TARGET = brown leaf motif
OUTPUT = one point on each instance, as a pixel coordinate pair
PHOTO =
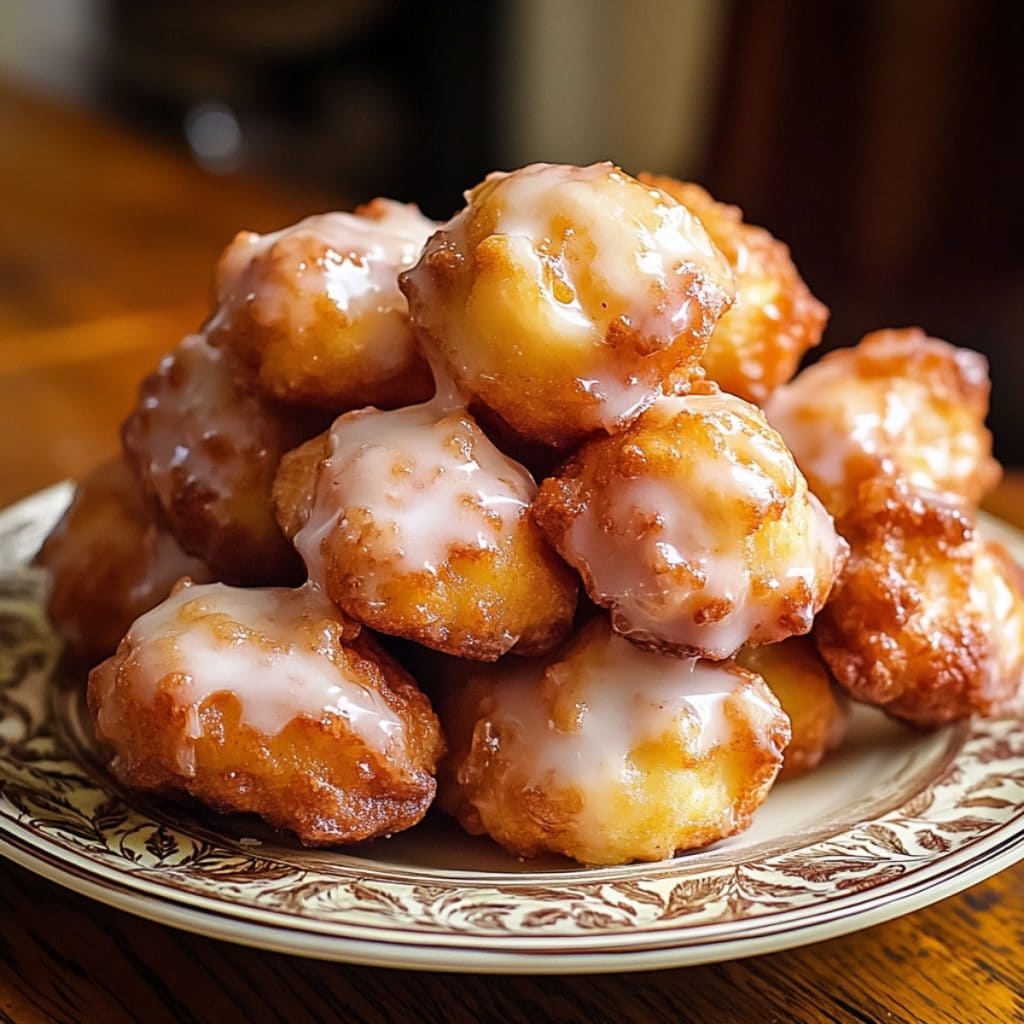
(544, 917)
(55, 797)
(984, 801)
(161, 844)
(931, 840)
(969, 823)
(635, 892)
(859, 883)
(917, 805)
(694, 895)
(887, 838)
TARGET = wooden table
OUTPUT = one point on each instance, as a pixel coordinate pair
(105, 248)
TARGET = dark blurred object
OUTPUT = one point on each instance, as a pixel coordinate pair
(358, 96)
(884, 141)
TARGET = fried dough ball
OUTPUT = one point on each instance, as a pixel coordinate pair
(818, 712)
(260, 701)
(695, 528)
(925, 620)
(418, 527)
(607, 753)
(899, 403)
(315, 311)
(110, 558)
(997, 590)
(208, 450)
(758, 343)
(295, 482)
(562, 297)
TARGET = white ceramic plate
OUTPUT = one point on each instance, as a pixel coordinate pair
(896, 820)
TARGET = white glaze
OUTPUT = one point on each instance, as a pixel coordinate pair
(895, 422)
(351, 259)
(626, 258)
(409, 486)
(187, 411)
(658, 549)
(624, 699)
(847, 416)
(637, 246)
(271, 648)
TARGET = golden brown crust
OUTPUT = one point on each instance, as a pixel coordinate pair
(329, 356)
(477, 604)
(110, 559)
(760, 340)
(959, 375)
(669, 483)
(509, 592)
(902, 628)
(217, 498)
(818, 711)
(997, 590)
(492, 300)
(540, 459)
(676, 794)
(295, 482)
(899, 403)
(316, 778)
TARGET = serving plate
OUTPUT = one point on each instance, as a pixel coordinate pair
(896, 820)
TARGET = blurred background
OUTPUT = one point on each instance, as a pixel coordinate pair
(883, 140)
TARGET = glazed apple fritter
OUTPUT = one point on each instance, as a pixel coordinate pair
(926, 620)
(110, 558)
(898, 404)
(818, 711)
(607, 753)
(417, 526)
(265, 701)
(563, 297)
(315, 312)
(695, 528)
(207, 448)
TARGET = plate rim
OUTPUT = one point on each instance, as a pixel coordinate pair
(934, 880)
(446, 959)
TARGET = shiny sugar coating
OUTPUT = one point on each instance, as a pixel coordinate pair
(898, 404)
(207, 448)
(262, 701)
(695, 528)
(607, 753)
(760, 340)
(315, 312)
(417, 526)
(563, 297)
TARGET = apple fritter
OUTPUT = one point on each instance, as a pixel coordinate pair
(417, 526)
(265, 701)
(607, 753)
(926, 620)
(110, 558)
(207, 448)
(563, 297)
(898, 404)
(315, 312)
(695, 528)
(818, 710)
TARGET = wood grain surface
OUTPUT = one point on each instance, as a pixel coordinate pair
(105, 247)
